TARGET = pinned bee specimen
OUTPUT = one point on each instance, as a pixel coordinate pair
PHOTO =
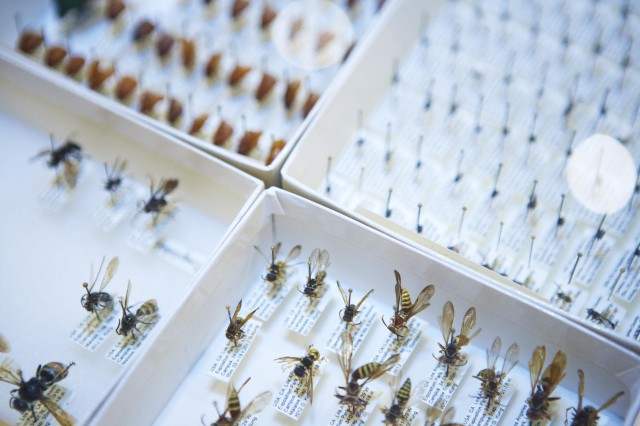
(157, 204)
(233, 415)
(148, 101)
(276, 147)
(30, 41)
(356, 379)
(277, 270)
(164, 44)
(492, 379)
(312, 98)
(405, 309)
(66, 156)
(318, 263)
(601, 318)
(588, 416)
(450, 351)
(33, 390)
(304, 367)
(237, 75)
(350, 310)
(222, 133)
(125, 87)
(543, 384)
(234, 329)
(394, 415)
(97, 75)
(291, 94)
(97, 301)
(54, 55)
(267, 16)
(114, 179)
(248, 142)
(265, 88)
(4, 344)
(146, 314)
(143, 30)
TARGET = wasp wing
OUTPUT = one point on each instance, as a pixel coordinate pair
(422, 301)
(345, 298)
(112, 267)
(323, 261)
(255, 406)
(344, 358)
(535, 366)
(468, 323)
(10, 372)
(554, 373)
(287, 361)
(446, 321)
(295, 252)
(611, 401)
(363, 299)
(313, 260)
(494, 353)
(126, 297)
(61, 416)
(247, 318)
(511, 358)
(398, 290)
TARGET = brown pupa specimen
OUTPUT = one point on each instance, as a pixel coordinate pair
(238, 7)
(267, 17)
(309, 103)
(74, 65)
(114, 9)
(96, 76)
(148, 101)
(248, 142)
(212, 68)
(291, 93)
(164, 44)
(265, 87)
(143, 30)
(238, 74)
(197, 124)
(174, 112)
(188, 53)
(29, 41)
(125, 87)
(275, 149)
(54, 55)
(223, 133)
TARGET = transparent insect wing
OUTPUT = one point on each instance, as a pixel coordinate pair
(314, 259)
(126, 297)
(345, 354)
(324, 261)
(262, 253)
(494, 353)
(10, 372)
(70, 172)
(112, 267)
(120, 167)
(511, 358)
(257, 405)
(363, 299)
(535, 366)
(554, 373)
(422, 301)
(446, 321)
(288, 361)
(345, 298)
(295, 252)
(468, 323)
(93, 278)
(61, 416)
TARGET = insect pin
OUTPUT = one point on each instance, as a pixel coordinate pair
(28, 393)
(588, 415)
(233, 413)
(491, 379)
(303, 369)
(318, 262)
(544, 383)
(146, 314)
(97, 301)
(234, 329)
(451, 349)
(350, 310)
(405, 309)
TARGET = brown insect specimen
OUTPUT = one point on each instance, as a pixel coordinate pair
(188, 53)
(29, 41)
(114, 9)
(223, 133)
(491, 379)
(74, 65)
(265, 87)
(276, 146)
(238, 74)
(174, 112)
(197, 124)
(543, 386)
(267, 17)
(96, 76)
(212, 67)
(125, 87)
(148, 101)
(248, 142)
(312, 98)
(143, 30)
(588, 416)
(238, 7)
(234, 329)
(164, 44)
(54, 55)
(450, 351)
(296, 27)
(324, 39)
(405, 309)
(291, 93)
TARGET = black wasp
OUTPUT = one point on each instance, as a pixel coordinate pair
(68, 155)
(304, 367)
(114, 176)
(157, 203)
(318, 262)
(145, 314)
(601, 318)
(277, 270)
(96, 301)
(33, 390)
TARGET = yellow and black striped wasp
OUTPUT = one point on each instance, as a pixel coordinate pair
(543, 384)
(33, 391)
(304, 367)
(395, 414)
(491, 380)
(234, 329)
(450, 351)
(146, 314)
(233, 414)
(588, 416)
(277, 269)
(405, 309)
(318, 262)
(97, 301)
(356, 379)
(350, 310)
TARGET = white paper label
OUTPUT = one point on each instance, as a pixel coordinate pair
(479, 414)
(54, 198)
(145, 236)
(437, 389)
(229, 355)
(359, 417)
(266, 297)
(367, 315)
(404, 347)
(292, 397)
(305, 312)
(56, 394)
(91, 332)
(123, 350)
(179, 255)
(114, 210)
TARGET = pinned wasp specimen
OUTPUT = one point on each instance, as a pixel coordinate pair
(544, 383)
(304, 367)
(491, 380)
(157, 204)
(601, 318)
(33, 390)
(114, 178)
(450, 351)
(318, 262)
(277, 270)
(588, 416)
(233, 413)
(356, 379)
(350, 310)
(394, 415)
(405, 309)
(66, 156)
(97, 301)
(234, 329)
(146, 314)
